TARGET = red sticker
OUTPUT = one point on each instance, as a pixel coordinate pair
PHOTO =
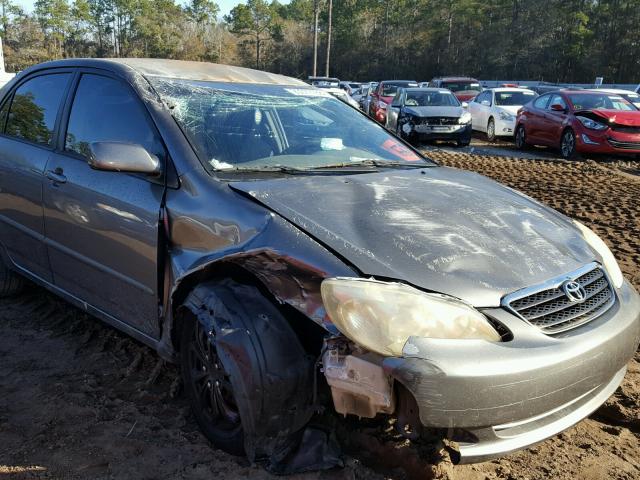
(400, 150)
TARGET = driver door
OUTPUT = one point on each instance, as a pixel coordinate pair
(102, 226)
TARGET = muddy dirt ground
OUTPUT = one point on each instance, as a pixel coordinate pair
(81, 400)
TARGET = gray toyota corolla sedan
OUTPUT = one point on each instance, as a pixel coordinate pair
(294, 257)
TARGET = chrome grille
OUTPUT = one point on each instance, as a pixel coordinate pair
(440, 121)
(550, 309)
(624, 145)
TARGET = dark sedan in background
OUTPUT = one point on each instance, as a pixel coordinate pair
(421, 114)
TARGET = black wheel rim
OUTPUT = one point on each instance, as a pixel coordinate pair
(211, 384)
(568, 144)
(520, 137)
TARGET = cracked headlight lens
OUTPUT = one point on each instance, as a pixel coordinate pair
(593, 125)
(382, 316)
(608, 260)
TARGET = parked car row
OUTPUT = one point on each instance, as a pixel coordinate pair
(572, 120)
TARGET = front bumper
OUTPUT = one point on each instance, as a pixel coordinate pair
(461, 133)
(610, 142)
(511, 395)
(505, 128)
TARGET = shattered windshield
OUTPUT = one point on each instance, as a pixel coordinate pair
(246, 126)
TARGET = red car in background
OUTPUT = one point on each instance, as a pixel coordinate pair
(383, 95)
(580, 121)
(464, 88)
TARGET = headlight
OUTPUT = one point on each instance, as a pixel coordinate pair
(382, 316)
(609, 261)
(506, 116)
(587, 122)
(464, 118)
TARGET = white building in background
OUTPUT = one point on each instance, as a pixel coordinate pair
(4, 76)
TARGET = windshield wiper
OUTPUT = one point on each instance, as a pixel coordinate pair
(374, 162)
(264, 168)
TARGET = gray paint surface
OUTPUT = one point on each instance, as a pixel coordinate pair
(438, 228)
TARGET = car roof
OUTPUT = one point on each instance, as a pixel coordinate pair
(586, 92)
(399, 82)
(511, 89)
(425, 89)
(449, 79)
(182, 69)
(611, 90)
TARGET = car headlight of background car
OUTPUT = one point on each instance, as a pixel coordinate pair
(464, 118)
(593, 125)
(506, 116)
(382, 316)
(608, 260)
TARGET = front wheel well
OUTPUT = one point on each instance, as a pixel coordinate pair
(310, 334)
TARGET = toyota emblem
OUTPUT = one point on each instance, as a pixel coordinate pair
(574, 291)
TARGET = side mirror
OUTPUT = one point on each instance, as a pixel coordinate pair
(465, 105)
(486, 103)
(122, 157)
(556, 107)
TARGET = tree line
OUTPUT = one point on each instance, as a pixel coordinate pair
(552, 40)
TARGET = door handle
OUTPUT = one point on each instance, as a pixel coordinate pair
(56, 175)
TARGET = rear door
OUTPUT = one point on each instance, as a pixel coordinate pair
(102, 227)
(29, 119)
(479, 114)
(535, 118)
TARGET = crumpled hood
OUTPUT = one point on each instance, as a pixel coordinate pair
(630, 118)
(434, 111)
(441, 229)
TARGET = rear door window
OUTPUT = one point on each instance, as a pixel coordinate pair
(541, 102)
(107, 110)
(34, 108)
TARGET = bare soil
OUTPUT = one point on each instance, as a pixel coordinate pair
(80, 400)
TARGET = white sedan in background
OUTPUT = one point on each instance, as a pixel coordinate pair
(494, 110)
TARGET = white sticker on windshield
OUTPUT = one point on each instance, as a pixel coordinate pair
(616, 98)
(331, 144)
(443, 91)
(307, 92)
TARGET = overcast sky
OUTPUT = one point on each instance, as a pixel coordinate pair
(225, 5)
